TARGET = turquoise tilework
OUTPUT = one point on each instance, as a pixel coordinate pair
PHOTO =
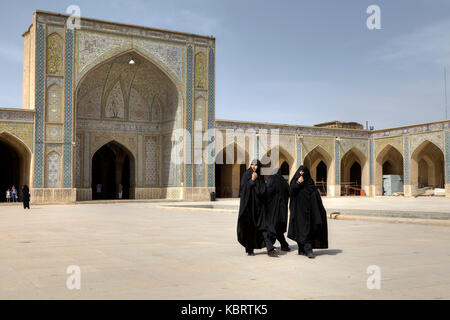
(189, 86)
(211, 116)
(39, 106)
(68, 109)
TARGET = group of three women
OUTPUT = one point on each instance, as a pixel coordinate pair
(263, 212)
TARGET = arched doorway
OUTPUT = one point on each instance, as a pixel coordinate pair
(427, 166)
(389, 162)
(319, 162)
(354, 173)
(284, 168)
(112, 172)
(321, 177)
(229, 170)
(15, 163)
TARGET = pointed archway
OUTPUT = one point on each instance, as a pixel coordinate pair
(389, 162)
(230, 164)
(283, 160)
(112, 172)
(427, 166)
(354, 173)
(15, 163)
(319, 163)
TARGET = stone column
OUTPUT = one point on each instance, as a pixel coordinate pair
(334, 190)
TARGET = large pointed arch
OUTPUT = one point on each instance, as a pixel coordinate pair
(354, 172)
(427, 166)
(283, 156)
(230, 164)
(321, 166)
(15, 160)
(388, 162)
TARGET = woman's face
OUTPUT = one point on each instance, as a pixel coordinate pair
(301, 172)
(254, 167)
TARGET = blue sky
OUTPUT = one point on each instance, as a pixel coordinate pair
(294, 62)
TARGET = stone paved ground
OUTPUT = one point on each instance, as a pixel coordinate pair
(141, 251)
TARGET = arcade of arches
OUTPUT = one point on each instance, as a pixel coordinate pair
(102, 105)
(427, 170)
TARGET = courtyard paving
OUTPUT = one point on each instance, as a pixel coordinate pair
(143, 251)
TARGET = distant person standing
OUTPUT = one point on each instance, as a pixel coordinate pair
(8, 195)
(98, 191)
(14, 194)
(26, 197)
(120, 191)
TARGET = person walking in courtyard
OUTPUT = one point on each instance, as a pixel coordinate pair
(308, 219)
(14, 194)
(277, 206)
(26, 197)
(253, 232)
(8, 195)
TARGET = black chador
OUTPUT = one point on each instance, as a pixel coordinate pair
(277, 205)
(252, 229)
(308, 219)
(26, 197)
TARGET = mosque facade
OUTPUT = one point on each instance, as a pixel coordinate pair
(111, 110)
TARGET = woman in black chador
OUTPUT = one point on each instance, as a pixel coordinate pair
(253, 232)
(277, 205)
(26, 197)
(308, 220)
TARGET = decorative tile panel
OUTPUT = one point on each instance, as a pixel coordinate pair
(396, 142)
(94, 47)
(54, 133)
(151, 161)
(406, 160)
(200, 70)
(16, 115)
(54, 53)
(68, 109)
(299, 153)
(447, 157)
(22, 131)
(326, 143)
(337, 162)
(211, 116)
(189, 97)
(54, 103)
(435, 137)
(39, 106)
(372, 162)
(53, 170)
(347, 144)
